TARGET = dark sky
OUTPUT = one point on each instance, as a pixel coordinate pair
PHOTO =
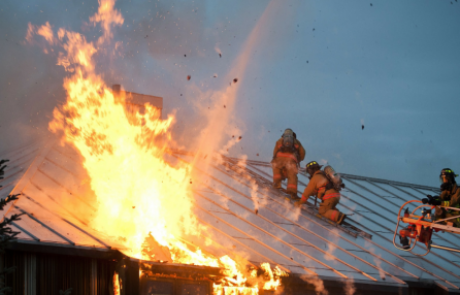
(323, 68)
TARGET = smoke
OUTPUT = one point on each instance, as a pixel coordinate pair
(329, 255)
(377, 261)
(349, 287)
(316, 282)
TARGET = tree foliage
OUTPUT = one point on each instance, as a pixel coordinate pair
(6, 233)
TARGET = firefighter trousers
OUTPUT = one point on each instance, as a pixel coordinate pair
(328, 210)
(441, 213)
(285, 168)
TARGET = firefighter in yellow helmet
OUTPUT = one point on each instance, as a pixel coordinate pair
(287, 155)
(325, 190)
(449, 197)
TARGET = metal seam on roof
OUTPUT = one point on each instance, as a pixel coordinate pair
(340, 236)
(385, 181)
(381, 225)
(370, 191)
(242, 244)
(359, 271)
(406, 192)
(44, 225)
(405, 260)
(25, 231)
(63, 168)
(404, 200)
(70, 223)
(11, 175)
(24, 180)
(385, 249)
(293, 223)
(51, 198)
(400, 256)
(263, 244)
(273, 236)
(296, 236)
(66, 189)
(28, 144)
(30, 153)
(330, 242)
(363, 187)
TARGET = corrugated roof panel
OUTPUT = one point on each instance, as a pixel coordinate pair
(278, 233)
(42, 231)
(366, 203)
(63, 230)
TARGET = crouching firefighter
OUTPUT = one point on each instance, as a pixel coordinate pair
(287, 155)
(326, 185)
(449, 197)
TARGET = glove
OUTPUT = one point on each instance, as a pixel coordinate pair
(430, 200)
(446, 186)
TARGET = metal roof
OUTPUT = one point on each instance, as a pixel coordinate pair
(245, 217)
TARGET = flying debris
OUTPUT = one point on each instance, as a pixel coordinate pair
(185, 55)
(225, 107)
(240, 137)
(220, 55)
(256, 211)
(235, 80)
(189, 77)
(362, 127)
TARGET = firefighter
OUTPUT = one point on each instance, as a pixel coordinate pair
(325, 190)
(450, 197)
(287, 155)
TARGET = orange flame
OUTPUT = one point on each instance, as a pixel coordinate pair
(138, 193)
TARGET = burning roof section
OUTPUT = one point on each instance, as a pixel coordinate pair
(244, 217)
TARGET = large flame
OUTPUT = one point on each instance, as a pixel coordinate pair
(139, 194)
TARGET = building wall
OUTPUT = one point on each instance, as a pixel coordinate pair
(47, 274)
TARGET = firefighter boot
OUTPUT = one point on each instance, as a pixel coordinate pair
(341, 218)
(404, 241)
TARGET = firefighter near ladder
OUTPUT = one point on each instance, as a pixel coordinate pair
(326, 186)
(421, 226)
(449, 197)
(287, 155)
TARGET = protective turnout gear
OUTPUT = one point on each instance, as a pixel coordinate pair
(449, 197)
(319, 185)
(404, 241)
(288, 141)
(335, 181)
(285, 150)
(288, 152)
(285, 168)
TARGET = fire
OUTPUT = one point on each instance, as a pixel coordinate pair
(139, 194)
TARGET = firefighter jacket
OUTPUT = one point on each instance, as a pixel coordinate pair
(297, 155)
(451, 198)
(318, 186)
